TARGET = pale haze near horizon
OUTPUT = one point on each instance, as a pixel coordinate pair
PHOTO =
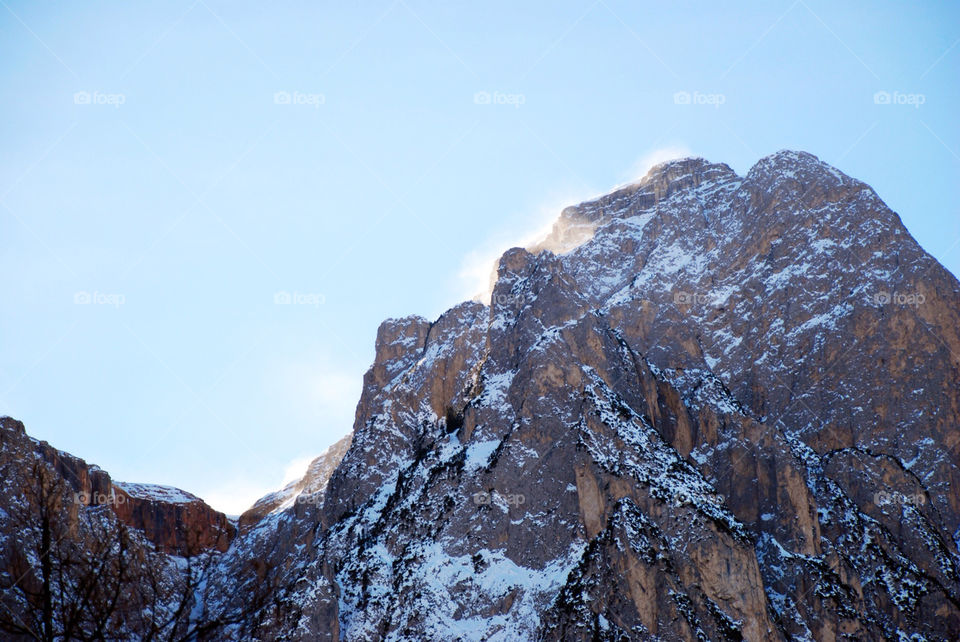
(184, 164)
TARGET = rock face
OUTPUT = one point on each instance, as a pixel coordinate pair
(85, 558)
(732, 411)
(307, 489)
(173, 520)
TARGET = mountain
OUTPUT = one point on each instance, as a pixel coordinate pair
(309, 488)
(173, 520)
(708, 406)
(83, 557)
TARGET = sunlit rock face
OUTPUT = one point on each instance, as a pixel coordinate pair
(714, 407)
(173, 520)
(725, 406)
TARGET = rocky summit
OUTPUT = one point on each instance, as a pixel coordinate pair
(706, 407)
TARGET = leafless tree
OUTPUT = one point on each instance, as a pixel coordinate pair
(72, 571)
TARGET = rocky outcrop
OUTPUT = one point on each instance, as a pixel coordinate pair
(86, 558)
(172, 519)
(308, 489)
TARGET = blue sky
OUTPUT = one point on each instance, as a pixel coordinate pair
(179, 164)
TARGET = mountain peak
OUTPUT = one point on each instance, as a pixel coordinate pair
(726, 412)
(801, 167)
(680, 167)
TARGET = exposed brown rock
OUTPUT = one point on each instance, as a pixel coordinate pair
(172, 519)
